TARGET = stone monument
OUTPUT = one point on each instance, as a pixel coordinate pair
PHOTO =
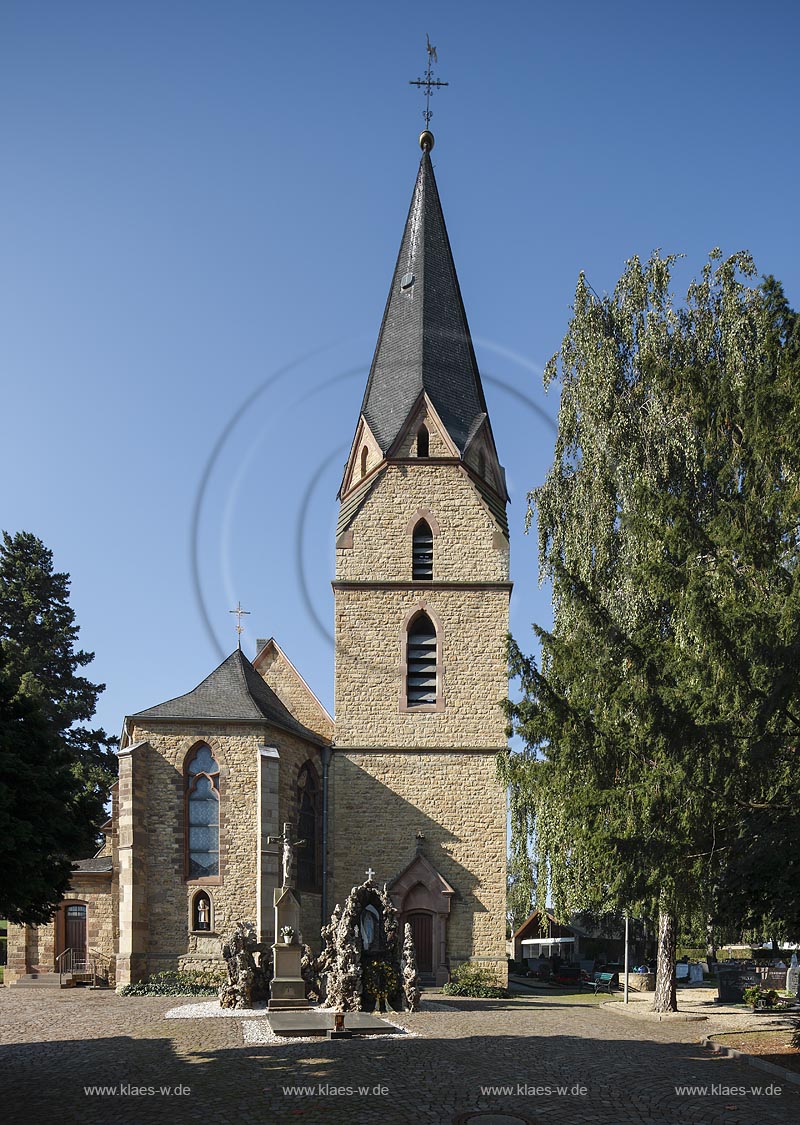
(793, 977)
(247, 980)
(288, 991)
(410, 974)
(367, 968)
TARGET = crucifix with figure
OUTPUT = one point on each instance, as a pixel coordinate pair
(289, 845)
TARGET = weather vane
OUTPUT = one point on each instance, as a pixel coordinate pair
(240, 613)
(429, 83)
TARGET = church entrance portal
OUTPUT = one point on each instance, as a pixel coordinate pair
(422, 898)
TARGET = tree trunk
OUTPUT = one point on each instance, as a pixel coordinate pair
(665, 998)
(711, 942)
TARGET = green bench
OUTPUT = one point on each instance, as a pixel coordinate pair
(602, 982)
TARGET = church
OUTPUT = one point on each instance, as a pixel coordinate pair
(403, 779)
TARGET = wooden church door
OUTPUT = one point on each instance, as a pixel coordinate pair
(75, 928)
(422, 933)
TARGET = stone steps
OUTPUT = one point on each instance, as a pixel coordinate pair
(38, 980)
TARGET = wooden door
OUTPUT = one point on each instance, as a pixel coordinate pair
(422, 932)
(75, 928)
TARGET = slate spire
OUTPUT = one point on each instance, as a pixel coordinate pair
(424, 342)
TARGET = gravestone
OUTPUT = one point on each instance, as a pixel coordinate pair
(793, 977)
(731, 983)
(773, 978)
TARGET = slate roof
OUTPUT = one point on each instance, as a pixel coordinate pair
(424, 341)
(233, 692)
(100, 863)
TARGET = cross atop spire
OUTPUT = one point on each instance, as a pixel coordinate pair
(240, 613)
(429, 84)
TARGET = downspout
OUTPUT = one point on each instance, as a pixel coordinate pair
(327, 751)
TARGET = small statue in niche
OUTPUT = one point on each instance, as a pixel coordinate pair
(203, 914)
(370, 925)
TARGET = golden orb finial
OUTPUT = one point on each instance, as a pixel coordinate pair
(426, 141)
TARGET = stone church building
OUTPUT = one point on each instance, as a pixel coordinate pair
(404, 778)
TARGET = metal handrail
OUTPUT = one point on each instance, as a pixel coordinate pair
(73, 961)
(105, 964)
(60, 964)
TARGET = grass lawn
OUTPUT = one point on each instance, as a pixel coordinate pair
(773, 1046)
(559, 994)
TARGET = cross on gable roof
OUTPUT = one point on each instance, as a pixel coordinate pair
(234, 692)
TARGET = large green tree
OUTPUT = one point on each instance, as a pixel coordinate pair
(662, 722)
(39, 827)
(40, 658)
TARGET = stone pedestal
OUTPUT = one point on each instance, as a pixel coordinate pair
(288, 989)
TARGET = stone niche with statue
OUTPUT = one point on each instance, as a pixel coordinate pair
(367, 965)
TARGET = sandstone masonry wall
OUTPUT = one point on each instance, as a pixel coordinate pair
(466, 549)
(236, 747)
(456, 801)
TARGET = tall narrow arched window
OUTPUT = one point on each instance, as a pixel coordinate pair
(422, 552)
(309, 823)
(202, 814)
(364, 456)
(421, 660)
(423, 442)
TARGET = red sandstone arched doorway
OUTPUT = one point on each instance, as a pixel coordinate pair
(422, 898)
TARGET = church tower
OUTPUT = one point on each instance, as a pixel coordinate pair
(421, 617)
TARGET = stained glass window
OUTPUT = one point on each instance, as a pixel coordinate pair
(203, 814)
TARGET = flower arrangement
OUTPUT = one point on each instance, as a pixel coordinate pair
(380, 980)
(287, 935)
(758, 997)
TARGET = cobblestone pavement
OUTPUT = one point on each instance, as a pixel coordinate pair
(615, 1071)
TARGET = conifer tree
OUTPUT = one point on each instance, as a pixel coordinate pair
(39, 658)
(39, 830)
(663, 719)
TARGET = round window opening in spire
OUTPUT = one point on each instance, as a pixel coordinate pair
(423, 442)
(407, 281)
(421, 660)
(422, 553)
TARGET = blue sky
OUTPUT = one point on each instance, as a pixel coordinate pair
(200, 209)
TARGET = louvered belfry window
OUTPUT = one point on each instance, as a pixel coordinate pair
(421, 663)
(422, 553)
